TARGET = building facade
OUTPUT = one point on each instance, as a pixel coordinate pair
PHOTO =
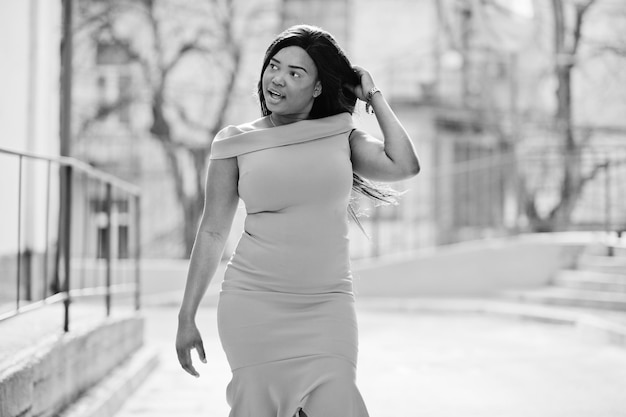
(29, 115)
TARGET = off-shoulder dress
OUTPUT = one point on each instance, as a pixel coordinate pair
(286, 315)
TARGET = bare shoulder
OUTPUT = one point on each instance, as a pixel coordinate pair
(356, 134)
(228, 132)
(233, 130)
(260, 123)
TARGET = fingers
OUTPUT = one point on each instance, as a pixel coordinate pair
(200, 349)
(366, 82)
(362, 72)
(184, 358)
(188, 338)
(359, 69)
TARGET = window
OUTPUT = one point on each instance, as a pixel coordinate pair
(102, 90)
(111, 53)
(124, 85)
(120, 229)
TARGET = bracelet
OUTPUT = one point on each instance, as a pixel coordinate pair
(368, 99)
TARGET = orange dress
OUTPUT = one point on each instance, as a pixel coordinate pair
(286, 314)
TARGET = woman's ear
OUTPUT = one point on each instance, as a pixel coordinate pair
(318, 89)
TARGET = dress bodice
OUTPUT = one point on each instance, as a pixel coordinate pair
(295, 181)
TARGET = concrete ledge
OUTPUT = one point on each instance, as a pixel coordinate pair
(108, 396)
(470, 269)
(591, 324)
(47, 377)
(472, 306)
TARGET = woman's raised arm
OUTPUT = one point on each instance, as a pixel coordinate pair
(394, 158)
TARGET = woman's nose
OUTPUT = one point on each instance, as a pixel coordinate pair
(278, 80)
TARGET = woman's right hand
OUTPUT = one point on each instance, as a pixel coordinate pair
(188, 338)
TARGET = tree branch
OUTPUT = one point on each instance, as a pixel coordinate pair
(617, 50)
(103, 111)
(184, 49)
(228, 93)
(446, 26)
(559, 27)
(132, 53)
(184, 116)
(577, 189)
(581, 10)
(235, 53)
(85, 21)
(156, 35)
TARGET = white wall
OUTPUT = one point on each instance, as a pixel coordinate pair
(29, 111)
(471, 269)
(30, 33)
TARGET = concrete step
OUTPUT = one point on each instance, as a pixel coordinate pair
(571, 298)
(591, 280)
(602, 263)
(109, 394)
(42, 368)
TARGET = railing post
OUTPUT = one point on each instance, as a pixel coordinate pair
(27, 272)
(607, 203)
(433, 209)
(46, 235)
(137, 252)
(19, 236)
(66, 207)
(58, 285)
(108, 207)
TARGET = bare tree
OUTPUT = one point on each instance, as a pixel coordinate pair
(166, 39)
(566, 45)
(567, 19)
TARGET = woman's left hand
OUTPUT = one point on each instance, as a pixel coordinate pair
(393, 159)
(367, 83)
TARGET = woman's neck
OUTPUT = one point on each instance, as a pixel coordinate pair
(284, 119)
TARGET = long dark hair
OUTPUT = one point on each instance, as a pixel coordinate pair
(334, 72)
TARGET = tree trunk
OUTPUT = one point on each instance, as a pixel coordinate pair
(194, 204)
(192, 210)
(561, 213)
(161, 130)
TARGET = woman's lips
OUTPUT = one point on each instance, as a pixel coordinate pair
(273, 96)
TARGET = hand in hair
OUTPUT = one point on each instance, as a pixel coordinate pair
(367, 83)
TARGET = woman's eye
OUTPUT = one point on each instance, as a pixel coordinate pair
(274, 67)
(295, 75)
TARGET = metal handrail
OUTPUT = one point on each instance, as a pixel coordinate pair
(69, 170)
(80, 165)
(482, 197)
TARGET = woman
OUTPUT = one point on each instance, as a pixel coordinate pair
(286, 310)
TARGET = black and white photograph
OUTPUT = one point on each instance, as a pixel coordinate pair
(312, 208)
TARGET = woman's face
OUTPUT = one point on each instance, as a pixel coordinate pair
(290, 83)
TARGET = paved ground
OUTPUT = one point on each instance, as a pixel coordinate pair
(421, 364)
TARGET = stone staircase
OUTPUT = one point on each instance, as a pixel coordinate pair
(86, 372)
(597, 282)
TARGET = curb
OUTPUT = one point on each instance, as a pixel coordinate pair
(606, 329)
(108, 396)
